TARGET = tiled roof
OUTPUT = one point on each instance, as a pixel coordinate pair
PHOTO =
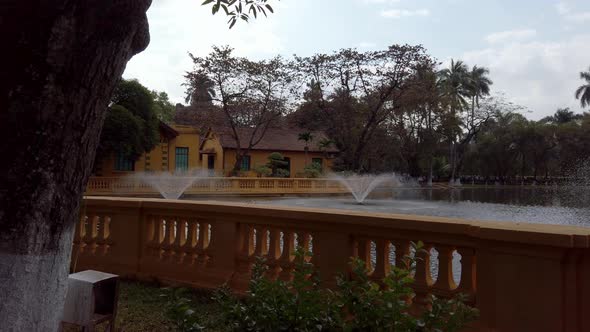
(167, 130)
(275, 139)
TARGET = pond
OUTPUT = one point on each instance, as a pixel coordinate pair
(547, 205)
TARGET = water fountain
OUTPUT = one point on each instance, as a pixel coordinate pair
(171, 185)
(360, 186)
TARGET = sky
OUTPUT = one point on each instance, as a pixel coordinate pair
(534, 49)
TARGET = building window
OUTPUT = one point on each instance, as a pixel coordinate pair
(124, 163)
(245, 163)
(181, 159)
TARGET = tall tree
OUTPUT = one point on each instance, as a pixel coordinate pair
(131, 123)
(251, 96)
(583, 92)
(356, 92)
(479, 86)
(455, 87)
(200, 89)
(64, 62)
(163, 108)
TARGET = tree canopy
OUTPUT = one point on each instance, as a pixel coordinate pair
(235, 93)
(131, 123)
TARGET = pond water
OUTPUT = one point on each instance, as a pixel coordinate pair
(546, 205)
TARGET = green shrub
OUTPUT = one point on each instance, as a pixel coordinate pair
(358, 303)
(277, 165)
(180, 310)
(371, 307)
(275, 305)
(282, 173)
(262, 171)
(312, 170)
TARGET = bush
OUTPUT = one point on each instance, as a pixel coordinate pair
(180, 310)
(312, 170)
(277, 164)
(375, 308)
(262, 171)
(274, 305)
(358, 304)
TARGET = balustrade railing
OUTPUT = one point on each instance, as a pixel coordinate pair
(104, 186)
(522, 277)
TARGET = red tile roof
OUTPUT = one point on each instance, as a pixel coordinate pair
(275, 139)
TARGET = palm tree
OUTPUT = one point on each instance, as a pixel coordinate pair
(307, 137)
(479, 86)
(200, 89)
(454, 84)
(583, 92)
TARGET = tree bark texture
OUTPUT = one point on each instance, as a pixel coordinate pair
(60, 61)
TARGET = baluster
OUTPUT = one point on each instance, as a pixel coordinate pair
(177, 252)
(422, 279)
(363, 252)
(382, 265)
(203, 243)
(155, 236)
(303, 241)
(91, 233)
(445, 284)
(402, 250)
(286, 259)
(274, 253)
(79, 234)
(190, 243)
(261, 242)
(103, 235)
(246, 249)
(302, 244)
(168, 238)
(468, 268)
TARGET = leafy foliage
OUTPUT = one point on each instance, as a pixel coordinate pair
(277, 164)
(163, 108)
(240, 9)
(131, 124)
(262, 170)
(180, 310)
(275, 305)
(352, 94)
(248, 96)
(121, 132)
(358, 304)
(312, 170)
(583, 92)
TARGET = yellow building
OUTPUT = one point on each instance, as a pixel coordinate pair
(218, 151)
(178, 150)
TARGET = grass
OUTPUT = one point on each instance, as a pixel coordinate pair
(142, 308)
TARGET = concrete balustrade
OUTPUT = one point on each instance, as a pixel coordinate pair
(522, 277)
(123, 186)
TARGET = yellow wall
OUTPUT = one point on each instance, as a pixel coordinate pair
(162, 157)
(259, 158)
(211, 143)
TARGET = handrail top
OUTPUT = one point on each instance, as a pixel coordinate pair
(525, 233)
(131, 176)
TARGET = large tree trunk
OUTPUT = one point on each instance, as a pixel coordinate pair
(60, 62)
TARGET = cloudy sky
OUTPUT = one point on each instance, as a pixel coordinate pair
(534, 49)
